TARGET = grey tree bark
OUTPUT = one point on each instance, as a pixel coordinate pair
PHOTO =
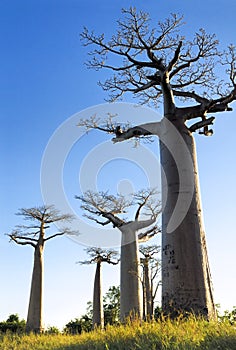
(35, 310)
(98, 314)
(130, 290)
(130, 276)
(186, 280)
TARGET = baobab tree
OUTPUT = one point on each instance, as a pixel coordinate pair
(107, 209)
(151, 268)
(99, 256)
(159, 66)
(34, 234)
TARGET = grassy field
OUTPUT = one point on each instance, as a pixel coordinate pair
(181, 335)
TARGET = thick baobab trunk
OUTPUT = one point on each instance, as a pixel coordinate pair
(186, 280)
(35, 313)
(130, 290)
(98, 315)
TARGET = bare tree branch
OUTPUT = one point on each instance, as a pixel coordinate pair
(22, 240)
(147, 235)
(155, 63)
(204, 123)
(147, 200)
(112, 208)
(138, 131)
(65, 231)
(174, 61)
(104, 205)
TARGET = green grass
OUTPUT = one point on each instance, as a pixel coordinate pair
(164, 335)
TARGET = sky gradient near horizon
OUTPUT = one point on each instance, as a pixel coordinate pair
(43, 83)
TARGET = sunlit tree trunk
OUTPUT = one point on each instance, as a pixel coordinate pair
(98, 315)
(35, 313)
(186, 280)
(130, 291)
(130, 277)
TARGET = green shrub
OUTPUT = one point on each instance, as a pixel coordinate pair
(13, 324)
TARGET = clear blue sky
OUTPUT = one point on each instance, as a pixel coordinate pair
(44, 82)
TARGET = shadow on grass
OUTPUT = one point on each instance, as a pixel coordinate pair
(221, 342)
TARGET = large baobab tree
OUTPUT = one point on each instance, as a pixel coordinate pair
(34, 234)
(99, 256)
(107, 209)
(158, 65)
(150, 263)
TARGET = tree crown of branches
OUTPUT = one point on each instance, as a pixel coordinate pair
(158, 64)
(147, 53)
(42, 217)
(99, 255)
(110, 208)
(105, 209)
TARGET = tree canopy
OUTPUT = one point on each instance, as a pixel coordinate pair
(105, 209)
(152, 61)
(42, 217)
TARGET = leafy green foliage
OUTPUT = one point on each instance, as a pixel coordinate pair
(229, 316)
(13, 324)
(111, 306)
(79, 325)
(52, 330)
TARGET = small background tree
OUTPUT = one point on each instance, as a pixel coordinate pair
(99, 256)
(107, 209)
(151, 267)
(34, 234)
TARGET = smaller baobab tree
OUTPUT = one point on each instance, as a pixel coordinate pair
(107, 209)
(151, 268)
(99, 256)
(34, 234)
